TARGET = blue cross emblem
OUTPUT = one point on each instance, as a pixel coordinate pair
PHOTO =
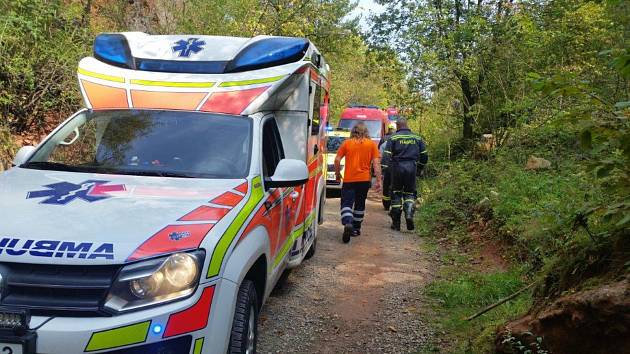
(63, 193)
(187, 47)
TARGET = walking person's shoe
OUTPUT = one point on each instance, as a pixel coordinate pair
(356, 232)
(386, 204)
(395, 225)
(410, 225)
(347, 232)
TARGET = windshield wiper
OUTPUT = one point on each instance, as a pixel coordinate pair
(54, 166)
(151, 173)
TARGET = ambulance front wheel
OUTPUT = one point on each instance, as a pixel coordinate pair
(245, 325)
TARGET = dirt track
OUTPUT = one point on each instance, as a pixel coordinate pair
(362, 297)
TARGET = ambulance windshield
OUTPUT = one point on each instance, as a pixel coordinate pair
(150, 143)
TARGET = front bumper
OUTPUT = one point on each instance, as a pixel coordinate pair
(181, 325)
(333, 185)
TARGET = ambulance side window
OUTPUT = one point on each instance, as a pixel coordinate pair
(317, 106)
(272, 147)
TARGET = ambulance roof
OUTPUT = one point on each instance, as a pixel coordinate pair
(199, 54)
(230, 75)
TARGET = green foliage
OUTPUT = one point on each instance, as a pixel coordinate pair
(7, 148)
(40, 44)
(475, 290)
(463, 291)
(605, 136)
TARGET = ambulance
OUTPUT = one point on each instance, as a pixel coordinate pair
(159, 218)
(372, 116)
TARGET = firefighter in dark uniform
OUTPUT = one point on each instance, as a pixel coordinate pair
(387, 176)
(408, 156)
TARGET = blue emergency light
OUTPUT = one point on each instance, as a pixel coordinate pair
(268, 52)
(112, 48)
(157, 329)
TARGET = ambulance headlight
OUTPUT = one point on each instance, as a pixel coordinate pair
(155, 281)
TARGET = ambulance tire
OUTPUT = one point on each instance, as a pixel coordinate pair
(245, 325)
(311, 251)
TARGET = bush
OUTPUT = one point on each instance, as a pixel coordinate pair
(40, 45)
(534, 211)
(7, 148)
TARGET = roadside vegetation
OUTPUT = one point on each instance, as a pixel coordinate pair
(524, 106)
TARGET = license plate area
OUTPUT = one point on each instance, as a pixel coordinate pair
(11, 348)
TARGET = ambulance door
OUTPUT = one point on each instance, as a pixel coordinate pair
(315, 149)
(280, 200)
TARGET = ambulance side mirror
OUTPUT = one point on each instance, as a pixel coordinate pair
(289, 173)
(23, 155)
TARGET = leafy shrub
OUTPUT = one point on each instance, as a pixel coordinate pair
(7, 148)
(40, 44)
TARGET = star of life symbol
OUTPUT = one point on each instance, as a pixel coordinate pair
(63, 193)
(189, 46)
(176, 236)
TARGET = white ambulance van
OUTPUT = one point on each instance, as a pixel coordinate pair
(159, 218)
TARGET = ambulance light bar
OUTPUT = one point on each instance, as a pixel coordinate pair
(268, 52)
(113, 48)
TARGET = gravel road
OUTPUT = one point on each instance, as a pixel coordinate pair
(361, 297)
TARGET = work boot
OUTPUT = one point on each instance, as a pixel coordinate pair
(386, 204)
(409, 209)
(347, 232)
(395, 214)
(410, 225)
(356, 232)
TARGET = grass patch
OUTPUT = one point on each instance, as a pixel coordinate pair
(460, 292)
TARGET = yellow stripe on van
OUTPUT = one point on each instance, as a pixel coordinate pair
(198, 346)
(101, 76)
(251, 82)
(173, 83)
(218, 255)
(288, 244)
(118, 337)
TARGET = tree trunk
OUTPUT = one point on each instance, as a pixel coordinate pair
(469, 101)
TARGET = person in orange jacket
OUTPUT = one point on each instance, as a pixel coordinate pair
(361, 154)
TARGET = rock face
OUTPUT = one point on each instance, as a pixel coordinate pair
(537, 163)
(595, 321)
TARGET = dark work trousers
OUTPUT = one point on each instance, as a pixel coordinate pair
(387, 187)
(403, 190)
(353, 195)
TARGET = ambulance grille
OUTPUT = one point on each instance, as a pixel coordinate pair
(56, 290)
